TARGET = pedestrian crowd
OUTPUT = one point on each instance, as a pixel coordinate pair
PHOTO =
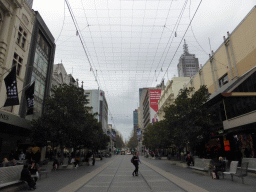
(30, 159)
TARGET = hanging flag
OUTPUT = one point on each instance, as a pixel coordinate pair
(139, 134)
(11, 88)
(30, 99)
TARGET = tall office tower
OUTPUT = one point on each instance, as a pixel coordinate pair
(188, 64)
(98, 102)
(135, 121)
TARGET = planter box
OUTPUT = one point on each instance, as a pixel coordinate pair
(97, 159)
(164, 158)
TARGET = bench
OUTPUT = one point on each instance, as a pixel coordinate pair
(251, 165)
(64, 164)
(242, 172)
(45, 169)
(10, 176)
(201, 164)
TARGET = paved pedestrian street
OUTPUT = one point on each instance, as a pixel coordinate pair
(118, 177)
(115, 175)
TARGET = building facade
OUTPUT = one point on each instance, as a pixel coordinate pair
(98, 102)
(135, 121)
(40, 66)
(169, 94)
(150, 106)
(142, 94)
(188, 64)
(230, 75)
(60, 76)
(16, 26)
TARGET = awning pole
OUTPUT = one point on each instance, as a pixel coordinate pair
(225, 109)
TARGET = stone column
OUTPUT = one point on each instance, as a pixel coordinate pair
(4, 36)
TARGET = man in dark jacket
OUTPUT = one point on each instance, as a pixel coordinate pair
(135, 161)
(26, 176)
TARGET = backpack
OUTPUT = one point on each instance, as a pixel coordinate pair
(132, 160)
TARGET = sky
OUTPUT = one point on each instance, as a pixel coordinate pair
(131, 44)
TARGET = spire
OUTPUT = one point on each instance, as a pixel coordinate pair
(185, 47)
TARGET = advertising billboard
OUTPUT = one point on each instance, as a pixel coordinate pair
(154, 96)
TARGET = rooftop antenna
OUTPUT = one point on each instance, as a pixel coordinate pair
(210, 44)
(185, 47)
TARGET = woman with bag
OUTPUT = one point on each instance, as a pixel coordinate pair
(219, 166)
(33, 168)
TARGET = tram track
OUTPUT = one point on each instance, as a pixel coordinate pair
(117, 165)
(114, 175)
(145, 181)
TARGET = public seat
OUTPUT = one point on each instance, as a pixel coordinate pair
(10, 176)
(201, 164)
(232, 169)
(252, 163)
(241, 172)
(64, 164)
(45, 170)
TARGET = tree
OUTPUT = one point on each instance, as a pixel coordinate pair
(156, 136)
(119, 142)
(67, 121)
(133, 142)
(187, 119)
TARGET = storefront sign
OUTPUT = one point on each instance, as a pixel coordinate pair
(15, 120)
(4, 117)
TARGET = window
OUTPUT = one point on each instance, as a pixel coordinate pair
(223, 80)
(17, 60)
(38, 38)
(21, 38)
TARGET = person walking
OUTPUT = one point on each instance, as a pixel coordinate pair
(135, 162)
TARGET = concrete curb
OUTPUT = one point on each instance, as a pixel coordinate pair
(72, 187)
(187, 186)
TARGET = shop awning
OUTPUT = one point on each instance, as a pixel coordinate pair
(15, 120)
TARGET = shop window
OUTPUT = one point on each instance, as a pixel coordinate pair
(21, 38)
(17, 60)
(223, 80)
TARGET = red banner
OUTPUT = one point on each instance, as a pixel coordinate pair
(154, 96)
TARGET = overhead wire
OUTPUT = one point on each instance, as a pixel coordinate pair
(151, 36)
(172, 36)
(161, 37)
(79, 35)
(198, 41)
(183, 36)
(62, 24)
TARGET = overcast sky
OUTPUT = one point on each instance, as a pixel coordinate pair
(131, 44)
